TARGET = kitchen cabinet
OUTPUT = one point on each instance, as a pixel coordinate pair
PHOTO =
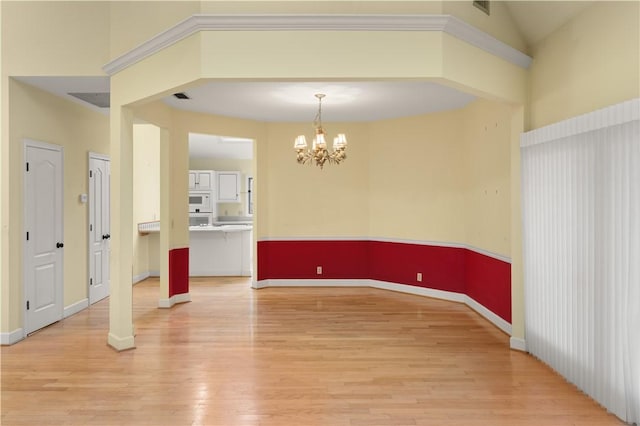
(201, 179)
(220, 250)
(228, 187)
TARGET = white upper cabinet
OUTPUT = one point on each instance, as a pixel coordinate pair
(201, 179)
(228, 187)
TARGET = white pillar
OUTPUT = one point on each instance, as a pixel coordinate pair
(121, 333)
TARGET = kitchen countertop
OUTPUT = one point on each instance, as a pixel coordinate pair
(221, 228)
(154, 227)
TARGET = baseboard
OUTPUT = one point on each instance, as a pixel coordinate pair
(488, 315)
(121, 343)
(218, 273)
(418, 291)
(74, 308)
(518, 344)
(154, 273)
(402, 288)
(312, 283)
(259, 284)
(140, 277)
(11, 337)
(176, 298)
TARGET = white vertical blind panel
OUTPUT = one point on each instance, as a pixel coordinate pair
(581, 215)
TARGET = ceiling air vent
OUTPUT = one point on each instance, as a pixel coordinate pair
(482, 5)
(181, 95)
(101, 100)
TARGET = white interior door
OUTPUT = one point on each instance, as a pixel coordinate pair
(43, 221)
(99, 227)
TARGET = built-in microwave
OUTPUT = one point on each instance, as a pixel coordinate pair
(200, 202)
(200, 219)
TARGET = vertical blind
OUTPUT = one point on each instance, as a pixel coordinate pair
(581, 236)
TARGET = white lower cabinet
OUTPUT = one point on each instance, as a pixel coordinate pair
(218, 253)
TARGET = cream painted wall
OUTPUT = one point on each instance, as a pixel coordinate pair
(591, 62)
(245, 167)
(417, 184)
(53, 38)
(131, 24)
(146, 189)
(37, 115)
(316, 7)
(294, 54)
(305, 201)
(487, 159)
(153, 252)
(482, 74)
(4, 191)
(449, 158)
(48, 39)
(444, 177)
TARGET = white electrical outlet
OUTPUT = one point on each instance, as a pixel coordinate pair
(419, 277)
(319, 270)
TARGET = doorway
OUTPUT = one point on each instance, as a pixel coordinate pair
(44, 246)
(99, 227)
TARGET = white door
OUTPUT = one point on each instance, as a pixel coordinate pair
(99, 227)
(43, 220)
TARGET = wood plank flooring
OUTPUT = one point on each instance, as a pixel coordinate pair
(285, 356)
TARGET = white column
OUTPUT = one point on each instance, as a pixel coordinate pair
(165, 214)
(121, 333)
(517, 281)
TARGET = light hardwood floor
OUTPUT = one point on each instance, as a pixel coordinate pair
(285, 356)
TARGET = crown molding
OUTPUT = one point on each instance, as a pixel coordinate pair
(195, 23)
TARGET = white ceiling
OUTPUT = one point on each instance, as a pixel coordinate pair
(215, 146)
(62, 86)
(344, 101)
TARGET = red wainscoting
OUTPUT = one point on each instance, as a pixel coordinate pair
(442, 268)
(488, 282)
(178, 271)
(485, 279)
(299, 259)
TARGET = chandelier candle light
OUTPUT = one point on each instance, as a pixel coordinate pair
(318, 152)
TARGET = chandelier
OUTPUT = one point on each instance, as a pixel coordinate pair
(318, 153)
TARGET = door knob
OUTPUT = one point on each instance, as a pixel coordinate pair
(59, 245)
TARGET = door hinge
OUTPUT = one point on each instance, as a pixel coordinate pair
(91, 227)
(90, 173)
(90, 281)
(27, 305)
(27, 235)
(27, 166)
